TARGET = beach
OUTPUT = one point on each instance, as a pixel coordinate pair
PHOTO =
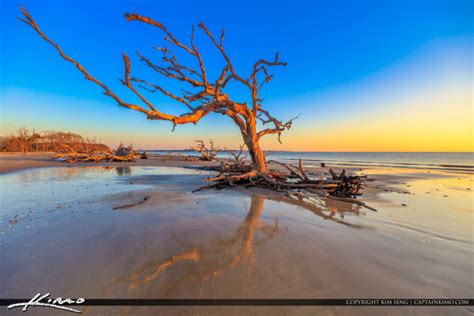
(136, 230)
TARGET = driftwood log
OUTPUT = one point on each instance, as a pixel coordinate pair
(84, 157)
(121, 154)
(340, 187)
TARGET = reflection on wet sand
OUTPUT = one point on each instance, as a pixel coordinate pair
(212, 258)
(123, 171)
(219, 255)
(69, 173)
(325, 208)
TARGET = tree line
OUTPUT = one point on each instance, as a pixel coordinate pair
(25, 140)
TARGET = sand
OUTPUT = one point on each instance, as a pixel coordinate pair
(65, 230)
(10, 162)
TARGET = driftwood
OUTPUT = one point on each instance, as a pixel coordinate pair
(339, 187)
(83, 157)
(237, 158)
(121, 154)
(236, 163)
(122, 150)
(206, 153)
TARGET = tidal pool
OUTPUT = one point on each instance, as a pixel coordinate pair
(139, 232)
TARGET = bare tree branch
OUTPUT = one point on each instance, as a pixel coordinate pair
(207, 97)
(170, 37)
(29, 21)
(158, 88)
(126, 82)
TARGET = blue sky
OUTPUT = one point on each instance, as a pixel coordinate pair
(345, 58)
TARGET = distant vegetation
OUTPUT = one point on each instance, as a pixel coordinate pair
(25, 140)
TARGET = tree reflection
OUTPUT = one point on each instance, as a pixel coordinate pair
(213, 258)
(325, 208)
(207, 261)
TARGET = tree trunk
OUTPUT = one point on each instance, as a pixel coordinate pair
(255, 152)
(258, 158)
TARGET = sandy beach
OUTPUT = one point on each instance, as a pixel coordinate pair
(135, 230)
(10, 162)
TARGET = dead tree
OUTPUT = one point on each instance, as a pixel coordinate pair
(22, 135)
(202, 96)
(205, 96)
(206, 153)
(24, 139)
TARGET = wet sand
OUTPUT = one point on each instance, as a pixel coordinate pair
(11, 162)
(72, 231)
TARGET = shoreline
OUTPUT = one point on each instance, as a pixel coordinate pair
(380, 180)
(11, 162)
(15, 162)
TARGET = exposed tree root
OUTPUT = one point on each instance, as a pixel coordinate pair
(338, 187)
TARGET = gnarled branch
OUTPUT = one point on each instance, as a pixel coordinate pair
(207, 97)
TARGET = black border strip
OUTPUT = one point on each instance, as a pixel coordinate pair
(265, 302)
